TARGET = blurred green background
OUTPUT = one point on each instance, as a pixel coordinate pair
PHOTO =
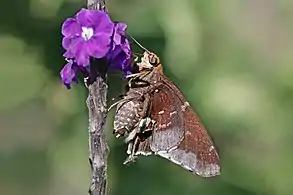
(233, 60)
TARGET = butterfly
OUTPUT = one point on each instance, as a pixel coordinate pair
(156, 118)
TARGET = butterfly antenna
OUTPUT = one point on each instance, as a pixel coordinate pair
(136, 54)
(137, 43)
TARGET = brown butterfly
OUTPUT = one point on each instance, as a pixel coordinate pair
(157, 119)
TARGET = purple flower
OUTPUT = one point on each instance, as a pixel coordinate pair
(119, 33)
(87, 35)
(120, 55)
(92, 34)
(68, 74)
(119, 59)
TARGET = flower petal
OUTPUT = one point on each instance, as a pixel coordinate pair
(81, 17)
(70, 43)
(121, 28)
(125, 46)
(98, 46)
(70, 28)
(68, 54)
(119, 32)
(119, 59)
(117, 39)
(80, 53)
(68, 74)
(66, 42)
(104, 25)
(91, 18)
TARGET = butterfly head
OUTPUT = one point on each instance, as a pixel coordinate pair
(150, 61)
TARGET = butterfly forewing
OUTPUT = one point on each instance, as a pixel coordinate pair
(169, 123)
(198, 142)
(195, 151)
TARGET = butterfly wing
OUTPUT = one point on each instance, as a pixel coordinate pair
(196, 151)
(168, 129)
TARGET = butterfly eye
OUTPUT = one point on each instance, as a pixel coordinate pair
(153, 60)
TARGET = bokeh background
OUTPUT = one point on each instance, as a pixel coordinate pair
(233, 60)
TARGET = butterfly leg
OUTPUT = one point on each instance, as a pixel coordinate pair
(131, 151)
(138, 146)
(138, 142)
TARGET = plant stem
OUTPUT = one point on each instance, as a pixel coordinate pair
(97, 106)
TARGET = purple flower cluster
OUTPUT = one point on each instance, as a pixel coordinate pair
(92, 34)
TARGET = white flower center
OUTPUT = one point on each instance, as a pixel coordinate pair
(87, 33)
